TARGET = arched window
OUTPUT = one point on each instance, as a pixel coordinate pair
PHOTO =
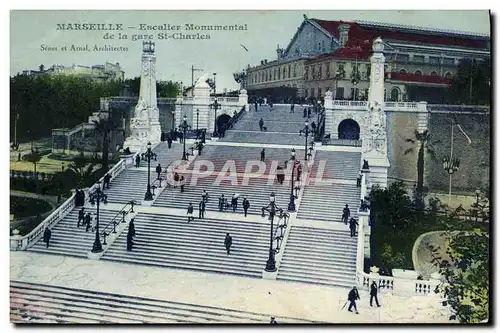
(448, 76)
(402, 71)
(295, 70)
(395, 95)
(289, 70)
(418, 72)
(434, 73)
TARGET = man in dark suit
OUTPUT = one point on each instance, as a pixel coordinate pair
(352, 297)
(246, 205)
(352, 226)
(373, 293)
(228, 241)
(201, 209)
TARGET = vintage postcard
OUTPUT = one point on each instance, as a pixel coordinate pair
(250, 167)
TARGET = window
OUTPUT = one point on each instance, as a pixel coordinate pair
(448, 76)
(402, 71)
(279, 73)
(319, 72)
(402, 57)
(395, 95)
(327, 69)
(306, 72)
(368, 72)
(323, 46)
(319, 92)
(434, 60)
(339, 93)
(418, 72)
(289, 70)
(354, 94)
(312, 92)
(419, 59)
(295, 70)
(448, 61)
(341, 69)
(434, 73)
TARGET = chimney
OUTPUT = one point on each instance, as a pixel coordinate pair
(343, 34)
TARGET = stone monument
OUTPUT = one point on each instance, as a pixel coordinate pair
(145, 124)
(375, 134)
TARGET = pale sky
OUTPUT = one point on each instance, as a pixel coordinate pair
(221, 54)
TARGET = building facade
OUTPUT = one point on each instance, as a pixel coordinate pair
(334, 55)
(106, 72)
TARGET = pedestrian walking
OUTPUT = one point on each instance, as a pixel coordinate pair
(261, 124)
(308, 112)
(190, 212)
(262, 154)
(183, 183)
(81, 217)
(352, 297)
(292, 108)
(352, 226)
(204, 196)
(358, 180)
(305, 113)
(137, 161)
(234, 202)
(176, 179)
(169, 142)
(131, 227)
(130, 242)
(228, 241)
(256, 106)
(201, 209)
(273, 321)
(246, 205)
(46, 236)
(107, 180)
(373, 293)
(299, 171)
(346, 213)
(158, 170)
(222, 203)
(88, 219)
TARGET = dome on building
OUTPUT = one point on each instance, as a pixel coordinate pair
(202, 82)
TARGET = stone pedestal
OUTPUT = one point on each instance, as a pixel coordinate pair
(364, 219)
(379, 166)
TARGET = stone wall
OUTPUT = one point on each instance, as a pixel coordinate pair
(474, 158)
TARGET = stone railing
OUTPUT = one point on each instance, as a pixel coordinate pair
(350, 104)
(18, 243)
(225, 100)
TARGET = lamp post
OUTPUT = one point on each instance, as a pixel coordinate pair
(96, 196)
(306, 133)
(184, 126)
(291, 204)
(215, 106)
(272, 209)
(147, 156)
(450, 165)
(197, 119)
(215, 86)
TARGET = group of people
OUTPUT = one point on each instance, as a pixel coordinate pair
(353, 296)
(223, 205)
(346, 214)
(86, 220)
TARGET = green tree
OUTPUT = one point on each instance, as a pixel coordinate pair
(82, 170)
(104, 126)
(423, 142)
(167, 89)
(34, 157)
(471, 84)
(466, 270)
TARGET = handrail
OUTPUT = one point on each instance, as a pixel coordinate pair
(123, 213)
(285, 217)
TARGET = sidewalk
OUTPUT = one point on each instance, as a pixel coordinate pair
(307, 301)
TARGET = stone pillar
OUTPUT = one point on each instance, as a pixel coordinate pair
(364, 219)
(423, 117)
(243, 99)
(201, 100)
(374, 136)
(329, 115)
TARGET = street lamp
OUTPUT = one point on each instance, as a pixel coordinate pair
(197, 118)
(450, 165)
(306, 133)
(215, 106)
(272, 209)
(184, 126)
(215, 87)
(148, 155)
(96, 196)
(291, 204)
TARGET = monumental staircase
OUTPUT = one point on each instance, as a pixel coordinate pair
(170, 241)
(33, 303)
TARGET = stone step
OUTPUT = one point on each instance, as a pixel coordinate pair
(344, 282)
(144, 309)
(324, 271)
(318, 258)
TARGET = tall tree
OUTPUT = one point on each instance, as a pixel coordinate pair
(466, 269)
(104, 126)
(82, 170)
(472, 83)
(34, 157)
(423, 142)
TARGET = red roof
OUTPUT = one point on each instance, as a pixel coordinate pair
(410, 77)
(359, 34)
(359, 52)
